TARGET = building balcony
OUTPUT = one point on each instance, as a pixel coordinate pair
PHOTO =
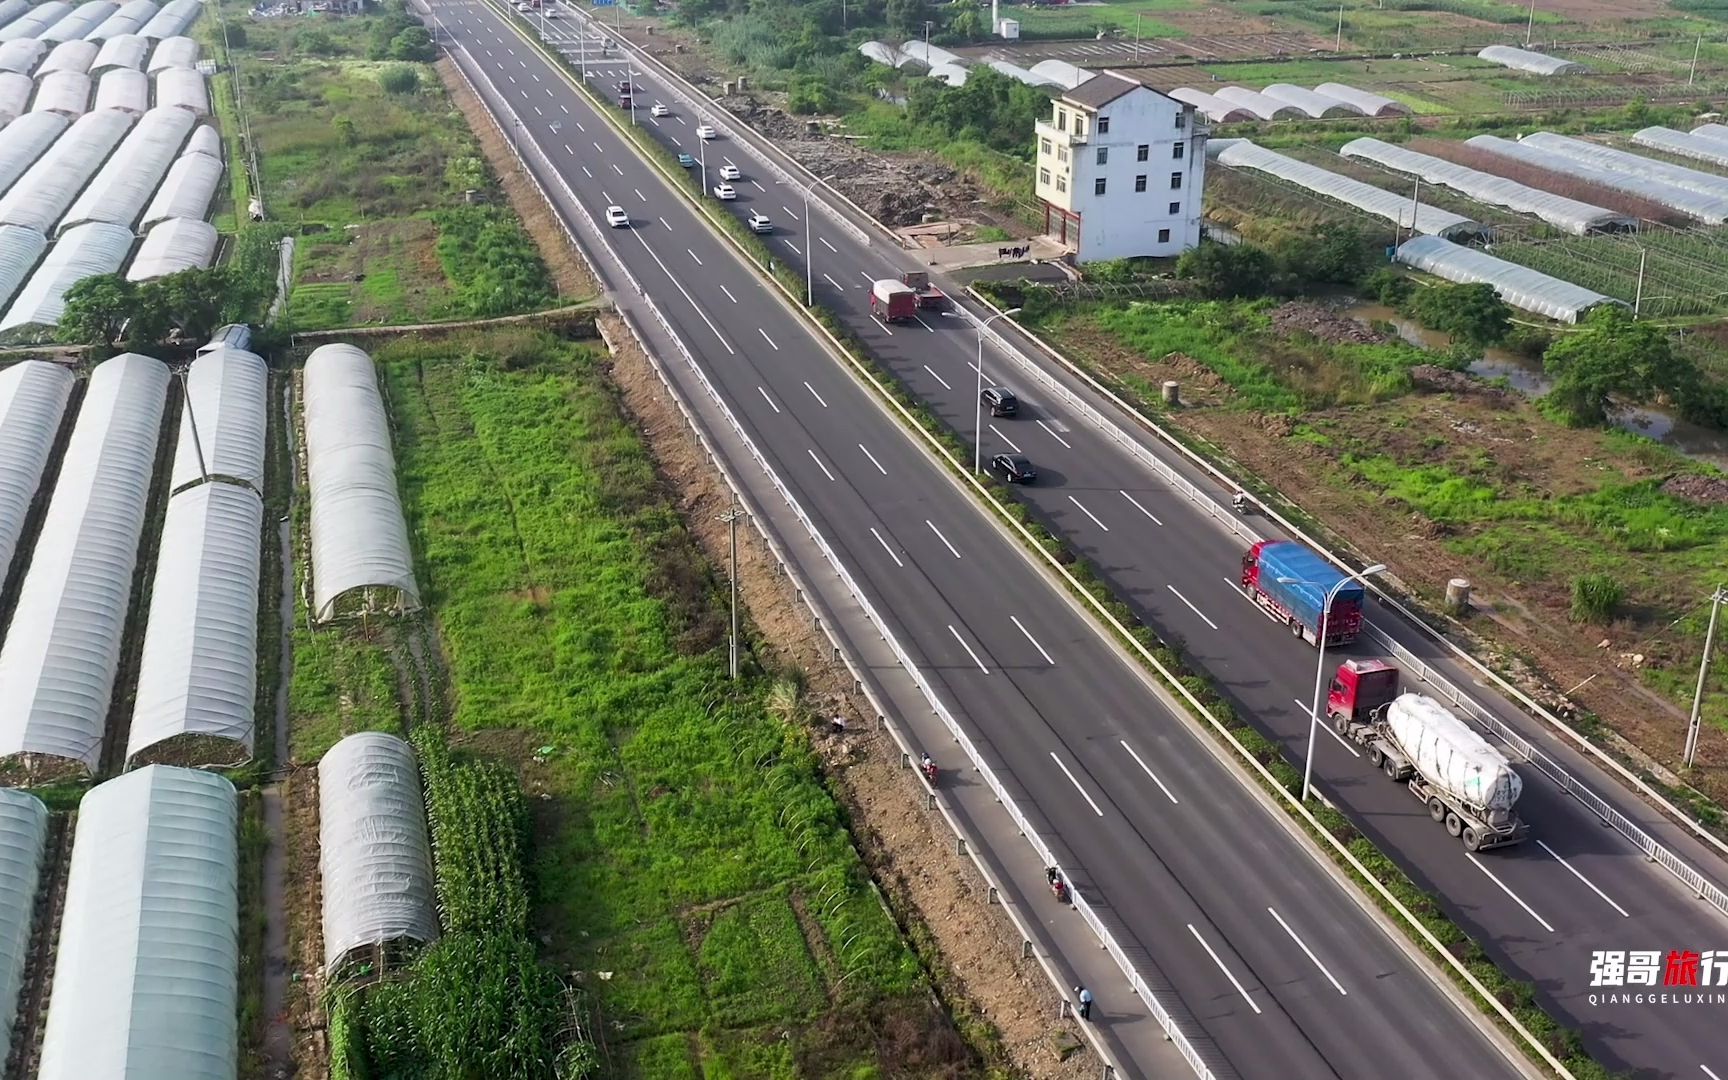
(1047, 130)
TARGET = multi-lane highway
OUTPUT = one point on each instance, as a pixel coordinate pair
(1264, 949)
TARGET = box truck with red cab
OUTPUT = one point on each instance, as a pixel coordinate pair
(1291, 584)
(893, 301)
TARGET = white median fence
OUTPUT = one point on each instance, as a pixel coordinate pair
(1178, 1039)
(1656, 852)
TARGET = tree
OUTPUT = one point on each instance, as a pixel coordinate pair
(1614, 358)
(907, 17)
(1227, 270)
(399, 79)
(808, 94)
(97, 309)
(347, 130)
(1335, 253)
(1470, 314)
(190, 301)
(413, 43)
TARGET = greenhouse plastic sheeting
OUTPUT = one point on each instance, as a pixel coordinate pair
(24, 140)
(952, 74)
(226, 387)
(120, 191)
(58, 664)
(1719, 132)
(198, 673)
(44, 192)
(75, 55)
(205, 140)
(20, 250)
(1706, 208)
(12, 9)
(1259, 104)
(122, 51)
(187, 189)
(930, 55)
(373, 851)
(64, 92)
(1534, 62)
(1061, 73)
(1520, 286)
(23, 841)
(80, 21)
(183, 88)
(1607, 157)
(15, 91)
(123, 88)
(1571, 215)
(1370, 104)
(1390, 205)
(1215, 109)
(174, 18)
(22, 55)
(358, 535)
(146, 981)
(172, 246)
(173, 52)
(85, 251)
(33, 397)
(39, 18)
(1313, 104)
(127, 20)
(1685, 144)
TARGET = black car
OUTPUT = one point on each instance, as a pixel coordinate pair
(1014, 468)
(1000, 401)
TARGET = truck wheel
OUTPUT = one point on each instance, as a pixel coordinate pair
(1454, 824)
(1472, 838)
(1375, 757)
(1391, 768)
(1341, 723)
(1436, 809)
(1295, 628)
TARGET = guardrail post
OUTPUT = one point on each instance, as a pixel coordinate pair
(930, 801)
(991, 896)
(1025, 948)
(1109, 1073)
(960, 845)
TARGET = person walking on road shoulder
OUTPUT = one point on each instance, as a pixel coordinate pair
(1085, 996)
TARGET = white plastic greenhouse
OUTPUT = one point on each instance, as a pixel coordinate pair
(1020, 74)
(15, 91)
(38, 19)
(146, 981)
(23, 841)
(1213, 108)
(174, 18)
(359, 540)
(1718, 132)
(173, 52)
(373, 851)
(1391, 205)
(12, 9)
(120, 191)
(131, 16)
(1259, 104)
(43, 193)
(198, 673)
(74, 55)
(122, 51)
(1370, 104)
(58, 664)
(930, 55)
(80, 21)
(226, 386)
(1311, 103)
(205, 140)
(123, 88)
(1571, 215)
(1061, 73)
(1520, 286)
(884, 54)
(22, 55)
(1533, 62)
(1706, 208)
(64, 92)
(172, 246)
(187, 189)
(25, 140)
(1607, 157)
(952, 74)
(20, 250)
(183, 88)
(86, 251)
(33, 396)
(1686, 144)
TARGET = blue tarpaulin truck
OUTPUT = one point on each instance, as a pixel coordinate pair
(1290, 582)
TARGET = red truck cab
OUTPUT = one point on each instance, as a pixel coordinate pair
(929, 296)
(1359, 687)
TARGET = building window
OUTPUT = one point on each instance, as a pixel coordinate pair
(1182, 119)
(1175, 209)
(1176, 151)
(1098, 186)
(1044, 178)
(1142, 152)
(1062, 153)
(1175, 181)
(1163, 236)
(1044, 147)
(1061, 119)
(1061, 183)
(1103, 155)
(1103, 125)
(1139, 183)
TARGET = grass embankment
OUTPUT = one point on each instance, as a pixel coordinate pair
(374, 182)
(687, 859)
(1481, 483)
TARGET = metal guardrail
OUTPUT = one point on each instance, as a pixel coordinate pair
(1701, 886)
(1173, 1032)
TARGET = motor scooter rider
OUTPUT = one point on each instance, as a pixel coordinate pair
(928, 766)
(1239, 501)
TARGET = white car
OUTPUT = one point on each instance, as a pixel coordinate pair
(552, 13)
(617, 218)
(658, 109)
(731, 172)
(725, 191)
(759, 223)
(705, 132)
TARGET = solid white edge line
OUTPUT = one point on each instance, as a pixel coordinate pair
(1033, 640)
(1191, 606)
(1303, 945)
(886, 548)
(768, 399)
(873, 460)
(1006, 439)
(1225, 970)
(1623, 912)
(819, 465)
(1503, 888)
(814, 394)
(1096, 522)
(1053, 434)
(968, 649)
(1076, 784)
(937, 531)
(1142, 509)
(937, 377)
(1148, 771)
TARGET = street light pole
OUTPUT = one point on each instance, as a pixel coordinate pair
(1320, 671)
(978, 398)
(731, 517)
(810, 243)
(701, 148)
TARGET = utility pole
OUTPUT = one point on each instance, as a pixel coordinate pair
(1692, 75)
(1137, 15)
(1338, 45)
(1638, 296)
(1716, 601)
(1530, 24)
(731, 517)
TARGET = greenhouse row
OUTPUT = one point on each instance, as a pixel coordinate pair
(87, 250)
(75, 55)
(35, 20)
(172, 246)
(1391, 205)
(81, 21)
(22, 55)
(123, 88)
(119, 192)
(1534, 63)
(1607, 157)
(359, 538)
(187, 189)
(43, 194)
(15, 91)
(23, 844)
(1212, 107)
(1710, 209)
(226, 388)
(1570, 215)
(1685, 143)
(33, 396)
(1520, 286)
(1263, 107)
(1313, 104)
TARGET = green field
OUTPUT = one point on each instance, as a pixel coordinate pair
(1084, 20)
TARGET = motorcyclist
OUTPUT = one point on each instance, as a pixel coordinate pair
(1239, 501)
(929, 767)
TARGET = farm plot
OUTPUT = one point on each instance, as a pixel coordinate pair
(1684, 273)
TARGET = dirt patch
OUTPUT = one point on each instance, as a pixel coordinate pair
(303, 890)
(1708, 490)
(1324, 323)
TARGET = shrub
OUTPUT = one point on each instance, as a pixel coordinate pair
(399, 79)
(1596, 598)
(1388, 286)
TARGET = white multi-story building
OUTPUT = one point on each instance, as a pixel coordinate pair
(1120, 170)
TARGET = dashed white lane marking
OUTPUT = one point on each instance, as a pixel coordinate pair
(1076, 784)
(1005, 438)
(1304, 947)
(1148, 771)
(1191, 606)
(969, 651)
(728, 293)
(814, 394)
(1142, 509)
(1053, 434)
(873, 460)
(819, 464)
(1095, 520)
(763, 332)
(768, 399)
(937, 377)
(886, 548)
(698, 259)
(1503, 888)
(938, 533)
(1227, 972)
(1623, 912)
(1022, 628)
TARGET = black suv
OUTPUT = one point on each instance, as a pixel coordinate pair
(1000, 401)
(1014, 468)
